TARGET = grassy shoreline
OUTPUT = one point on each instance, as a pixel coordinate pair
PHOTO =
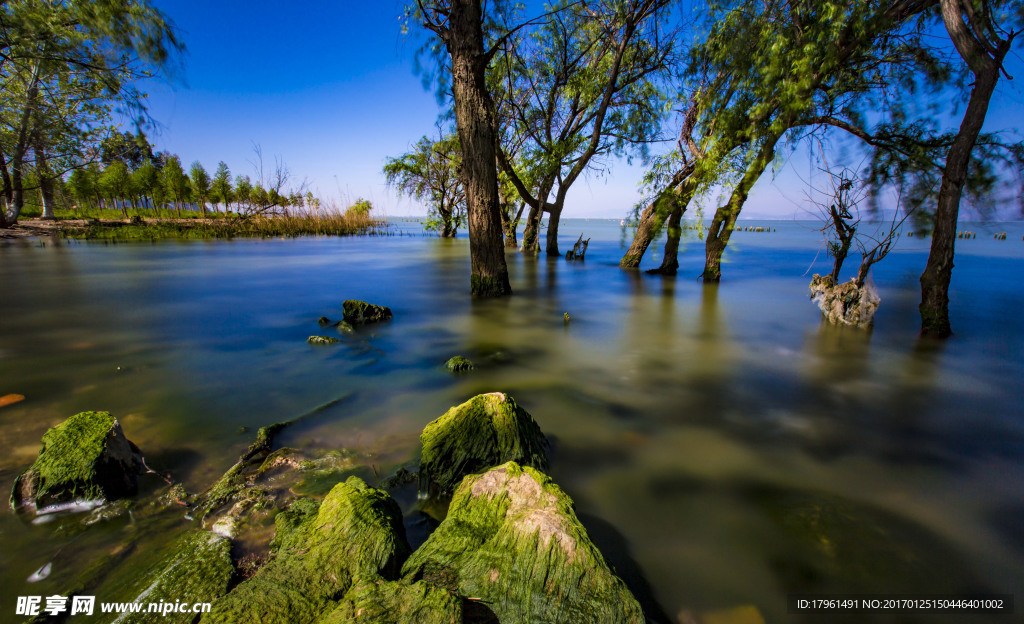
(221, 226)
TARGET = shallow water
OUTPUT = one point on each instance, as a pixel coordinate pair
(723, 446)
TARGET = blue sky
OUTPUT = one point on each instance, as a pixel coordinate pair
(330, 88)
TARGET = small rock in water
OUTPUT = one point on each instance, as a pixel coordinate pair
(322, 340)
(41, 573)
(345, 328)
(566, 317)
(360, 312)
(459, 364)
(323, 321)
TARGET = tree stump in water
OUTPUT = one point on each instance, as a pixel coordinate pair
(578, 251)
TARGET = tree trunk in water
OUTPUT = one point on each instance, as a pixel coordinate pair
(724, 222)
(552, 237)
(670, 263)
(680, 198)
(508, 225)
(531, 233)
(474, 116)
(935, 280)
(646, 230)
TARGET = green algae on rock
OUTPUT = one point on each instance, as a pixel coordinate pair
(459, 364)
(197, 568)
(485, 431)
(373, 600)
(360, 313)
(86, 457)
(512, 541)
(357, 530)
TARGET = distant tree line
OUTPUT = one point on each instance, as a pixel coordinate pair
(131, 176)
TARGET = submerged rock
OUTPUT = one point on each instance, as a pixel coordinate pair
(360, 313)
(86, 457)
(322, 340)
(356, 531)
(459, 364)
(846, 303)
(485, 431)
(511, 541)
(197, 568)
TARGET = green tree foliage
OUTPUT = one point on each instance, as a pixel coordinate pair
(220, 188)
(430, 173)
(583, 86)
(200, 181)
(360, 209)
(66, 66)
(125, 147)
(174, 182)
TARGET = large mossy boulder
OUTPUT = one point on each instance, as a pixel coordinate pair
(512, 542)
(356, 531)
(373, 600)
(196, 568)
(485, 431)
(361, 313)
(86, 457)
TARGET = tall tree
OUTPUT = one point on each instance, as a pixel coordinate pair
(582, 87)
(66, 65)
(459, 26)
(174, 182)
(430, 172)
(808, 63)
(200, 181)
(220, 188)
(983, 44)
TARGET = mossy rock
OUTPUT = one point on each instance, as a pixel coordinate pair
(459, 364)
(485, 431)
(357, 530)
(322, 340)
(373, 600)
(512, 541)
(196, 568)
(360, 313)
(85, 457)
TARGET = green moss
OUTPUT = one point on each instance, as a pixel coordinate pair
(287, 523)
(322, 340)
(373, 600)
(630, 261)
(459, 364)
(84, 457)
(512, 541)
(359, 312)
(357, 530)
(488, 430)
(196, 568)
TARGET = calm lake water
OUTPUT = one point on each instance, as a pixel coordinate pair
(724, 447)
